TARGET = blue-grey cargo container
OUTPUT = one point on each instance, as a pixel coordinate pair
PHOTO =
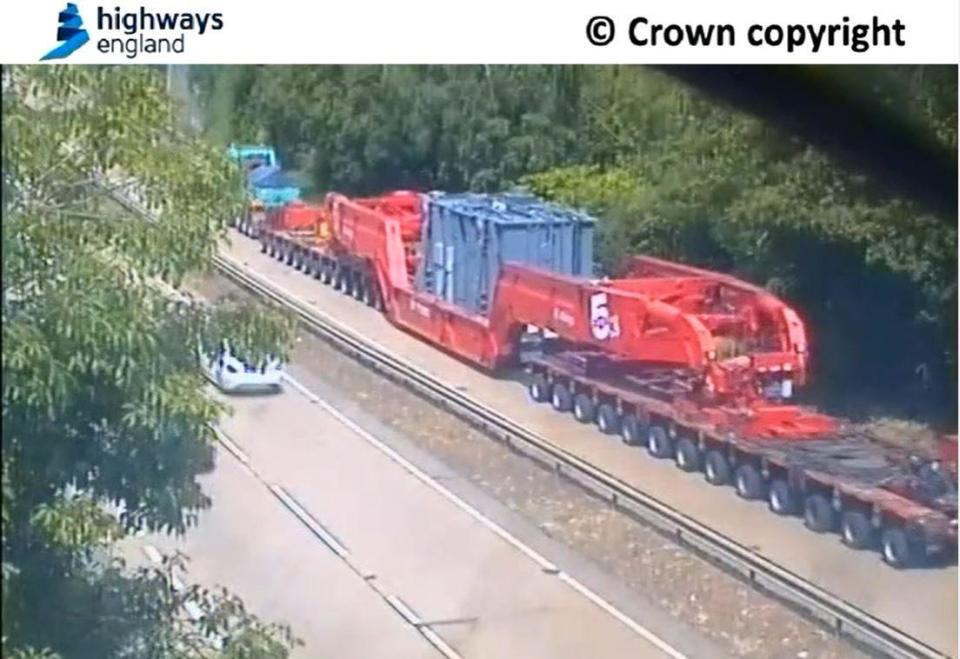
(468, 237)
(273, 186)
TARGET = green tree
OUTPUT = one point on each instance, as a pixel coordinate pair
(668, 172)
(103, 403)
(875, 276)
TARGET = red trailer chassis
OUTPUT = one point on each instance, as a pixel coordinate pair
(641, 357)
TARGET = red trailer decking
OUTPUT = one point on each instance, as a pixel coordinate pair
(695, 365)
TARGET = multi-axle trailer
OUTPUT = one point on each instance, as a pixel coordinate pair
(696, 366)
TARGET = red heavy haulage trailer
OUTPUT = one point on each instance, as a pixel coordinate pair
(692, 364)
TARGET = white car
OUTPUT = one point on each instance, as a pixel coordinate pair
(233, 375)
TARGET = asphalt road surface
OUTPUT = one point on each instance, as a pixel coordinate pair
(923, 603)
(319, 523)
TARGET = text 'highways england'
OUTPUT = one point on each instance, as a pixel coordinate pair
(133, 26)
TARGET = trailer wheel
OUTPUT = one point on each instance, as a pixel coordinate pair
(369, 293)
(608, 421)
(659, 444)
(561, 399)
(584, 410)
(716, 469)
(539, 389)
(818, 514)
(781, 498)
(749, 482)
(897, 548)
(631, 430)
(687, 455)
(856, 530)
(356, 287)
(326, 273)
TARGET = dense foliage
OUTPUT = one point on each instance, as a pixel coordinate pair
(669, 172)
(103, 404)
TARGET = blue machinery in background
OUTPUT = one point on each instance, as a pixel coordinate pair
(266, 180)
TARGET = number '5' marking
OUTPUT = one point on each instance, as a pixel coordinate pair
(600, 321)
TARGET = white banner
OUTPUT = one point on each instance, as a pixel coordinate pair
(492, 32)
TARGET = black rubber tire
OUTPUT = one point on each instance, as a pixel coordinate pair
(342, 281)
(369, 293)
(263, 247)
(856, 531)
(608, 421)
(631, 430)
(326, 273)
(659, 444)
(584, 409)
(296, 259)
(749, 482)
(716, 468)
(356, 287)
(560, 398)
(539, 389)
(687, 455)
(898, 550)
(781, 499)
(818, 514)
(288, 256)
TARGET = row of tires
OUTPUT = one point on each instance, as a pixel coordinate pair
(352, 280)
(820, 514)
(857, 529)
(246, 226)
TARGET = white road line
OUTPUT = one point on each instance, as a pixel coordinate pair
(492, 526)
(413, 619)
(307, 519)
(229, 444)
(369, 577)
(152, 553)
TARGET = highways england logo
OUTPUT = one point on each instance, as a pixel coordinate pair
(132, 32)
(70, 32)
